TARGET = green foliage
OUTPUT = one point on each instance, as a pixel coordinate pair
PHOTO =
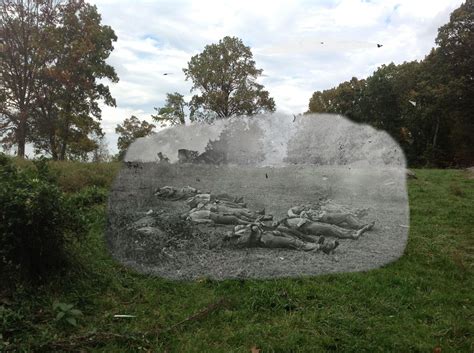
(344, 99)
(37, 220)
(24, 29)
(88, 197)
(129, 131)
(75, 176)
(9, 318)
(65, 313)
(456, 41)
(225, 74)
(53, 75)
(68, 118)
(417, 303)
(437, 129)
(173, 111)
(454, 77)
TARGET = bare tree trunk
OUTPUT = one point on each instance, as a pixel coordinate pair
(21, 134)
(54, 147)
(435, 137)
(51, 120)
(62, 153)
(64, 142)
(65, 132)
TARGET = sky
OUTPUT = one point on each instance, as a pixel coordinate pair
(157, 37)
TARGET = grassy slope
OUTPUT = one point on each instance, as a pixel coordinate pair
(422, 301)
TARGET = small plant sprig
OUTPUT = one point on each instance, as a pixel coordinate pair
(66, 313)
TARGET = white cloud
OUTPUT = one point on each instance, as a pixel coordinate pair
(157, 37)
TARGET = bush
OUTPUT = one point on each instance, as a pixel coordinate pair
(36, 220)
(88, 197)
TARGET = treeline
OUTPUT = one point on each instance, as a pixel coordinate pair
(52, 69)
(53, 65)
(224, 81)
(427, 105)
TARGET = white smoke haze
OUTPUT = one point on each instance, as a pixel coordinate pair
(168, 141)
(281, 139)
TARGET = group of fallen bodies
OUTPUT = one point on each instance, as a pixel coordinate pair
(305, 227)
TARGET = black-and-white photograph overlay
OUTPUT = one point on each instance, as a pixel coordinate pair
(262, 197)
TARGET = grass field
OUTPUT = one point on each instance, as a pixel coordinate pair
(420, 303)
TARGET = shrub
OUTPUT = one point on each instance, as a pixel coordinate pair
(66, 313)
(88, 197)
(36, 220)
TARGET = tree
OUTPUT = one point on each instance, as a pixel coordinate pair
(381, 105)
(129, 131)
(225, 75)
(409, 85)
(101, 153)
(321, 101)
(426, 106)
(173, 111)
(456, 43)
(52, 59)
(67, 114)
(454, 71)
(24, 32)
(343, 99)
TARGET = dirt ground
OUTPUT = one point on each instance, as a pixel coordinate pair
(184, 251)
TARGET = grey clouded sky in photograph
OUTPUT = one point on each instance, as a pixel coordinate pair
(157, 37)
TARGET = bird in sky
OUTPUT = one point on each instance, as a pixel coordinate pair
(167, 73)
(309, 44)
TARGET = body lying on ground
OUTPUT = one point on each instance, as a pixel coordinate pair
(307, 226)
(210, 217)
(299, 230)
(212, 213)
(173, 193)
(254, 235)
(223, 199)
(241, 212)
(335, 216)
(332, 206)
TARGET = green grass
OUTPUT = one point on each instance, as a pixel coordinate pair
(422, 301)
(75, 176)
